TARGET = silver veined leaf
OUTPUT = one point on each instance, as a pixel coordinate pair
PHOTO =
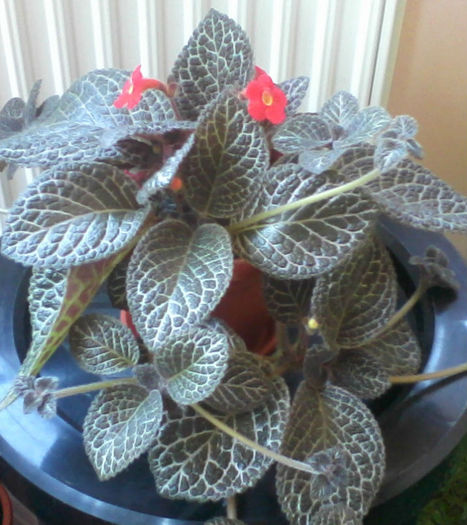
(302, 132)
(366, 124)
(245, 385)
(176, 277)
(310, 240)
(337, 515)
(120, 425)
(354, 301)
(78, 127)
(340, 109)
(193, 460)
(389, 152)
(102, 345)
(218, 55)
(359, 373)
(405, 126)
(116, 285)
(396, 350)
(193, 364)
(337, 435)
(295, 90)
(318, 161)
(409, 193)
(226, 164)
(70, 217)
(287, 301)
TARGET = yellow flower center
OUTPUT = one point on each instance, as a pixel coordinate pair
(267, 98)
(130, 89)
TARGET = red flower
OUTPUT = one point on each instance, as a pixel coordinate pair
(266, 100)
(134, 87)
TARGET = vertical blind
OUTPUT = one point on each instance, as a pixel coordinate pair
(339, 44)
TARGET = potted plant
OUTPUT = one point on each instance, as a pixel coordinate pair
(160, 189)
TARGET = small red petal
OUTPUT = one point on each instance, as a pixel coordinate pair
(257, 110)
(176, 184)
(275, 114)
(279, 96)
(254, 90)
(136, 76)
(259, 72)
(121, 100)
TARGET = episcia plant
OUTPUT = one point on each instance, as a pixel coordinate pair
(160, 190)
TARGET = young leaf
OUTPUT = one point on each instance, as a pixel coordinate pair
(367, 123)
(218, 55)
(295, 90)
(338, 436)
(193, 364)
(288, 301)
(310, 240)
(70, 217)
(102, 345)
(162, 178)
(193, 460)
(340, 109)
(245, 385)
(388, 153)
(225, 166)
(121, 424)
(176, 276)
(302, 132)
(434, 266)
(355, 300)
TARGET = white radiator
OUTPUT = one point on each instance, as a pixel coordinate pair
(339, 44)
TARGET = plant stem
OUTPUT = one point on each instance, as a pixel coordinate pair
(232, 508)
(284, 460)
(89, 387)
(4, 211)
(446, 372)
(311, 199)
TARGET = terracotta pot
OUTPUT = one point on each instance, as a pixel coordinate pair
(6, 507)
(242, 308)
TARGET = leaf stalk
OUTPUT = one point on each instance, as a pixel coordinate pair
(90, 387)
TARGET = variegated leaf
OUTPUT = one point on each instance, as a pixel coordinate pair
(176, 276)
(409, 193)
(388, 153)
(193, 364)
(288, 301)
(193, 460)
(121, 424)
(245, 385)
(355, 300)
(318, 161)
(79, 128)
(339, 438)
(302, 132)
(310, 240)
(70, 217)
(340, 109)
(102, 345)
(338, 514)
(57, 299)
(366, 124)
(226, 164)
(116, 285)
(359, 373)
(218, 55)
(295, 90)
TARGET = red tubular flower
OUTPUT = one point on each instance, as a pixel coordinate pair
(266, 100)
(134, 87)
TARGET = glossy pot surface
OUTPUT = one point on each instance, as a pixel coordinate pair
(44, 463)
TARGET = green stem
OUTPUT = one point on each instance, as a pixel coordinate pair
(284, 460)
(232, 508)
(311, 199)
(446, 372)
(90, 387)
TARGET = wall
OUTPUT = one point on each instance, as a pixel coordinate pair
(430, 83)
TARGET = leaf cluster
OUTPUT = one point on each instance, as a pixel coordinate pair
(307, 221)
